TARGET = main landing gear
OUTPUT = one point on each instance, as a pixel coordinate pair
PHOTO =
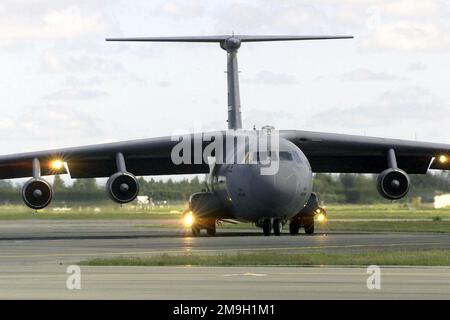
(276, 225)
(269, 225)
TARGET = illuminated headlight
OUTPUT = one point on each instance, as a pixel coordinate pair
(57, 164)
(321, 217)
(188, 219)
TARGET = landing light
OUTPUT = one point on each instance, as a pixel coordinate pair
(188, 219)
(57, 164)
(443, 159)
(321, 217)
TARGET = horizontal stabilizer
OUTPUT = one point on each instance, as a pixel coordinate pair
(241, 38)
(174, 39)
(288, 38)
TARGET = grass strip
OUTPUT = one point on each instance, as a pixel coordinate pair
(274, 258)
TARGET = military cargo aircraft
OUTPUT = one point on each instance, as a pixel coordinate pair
(237, 188)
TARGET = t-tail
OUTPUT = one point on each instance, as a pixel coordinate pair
(231, 44)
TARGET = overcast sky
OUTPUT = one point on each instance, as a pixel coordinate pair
(61, 84)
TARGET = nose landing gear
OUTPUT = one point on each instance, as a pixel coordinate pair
(306, 222)
(208, 224)
(305, 218)
(298, 222)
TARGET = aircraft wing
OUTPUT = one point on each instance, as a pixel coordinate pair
(143, 157)
(326, 152)
(341, 153)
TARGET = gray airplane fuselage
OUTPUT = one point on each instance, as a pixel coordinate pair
(251, 196)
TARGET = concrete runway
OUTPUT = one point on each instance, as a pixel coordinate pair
(49, 282)
(53, 242)
(34, 256)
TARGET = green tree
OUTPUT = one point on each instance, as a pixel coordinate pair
(58, 184)
(85, 185)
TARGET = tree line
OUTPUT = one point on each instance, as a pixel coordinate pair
(358, 188)
(331, 188)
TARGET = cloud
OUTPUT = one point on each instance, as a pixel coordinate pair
(406, 107)
(6, 123)
(408, 36)
(405, 25)
(416, 8)
(378, 24)
(182, 9)
(80, 63)
(163, 84)
(76, 94)
(74, 81)
(416, 66)
(259, 118)
(272, 78)
(368, 75)
(50, 122)
(67, 22)
(393, 8)
(267, 16)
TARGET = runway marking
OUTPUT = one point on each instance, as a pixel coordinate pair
(246, 274)
(49, 255)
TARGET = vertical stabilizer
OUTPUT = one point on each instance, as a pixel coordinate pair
(231, 44)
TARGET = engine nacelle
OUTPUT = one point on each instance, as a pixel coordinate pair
(122, 187)
(37, 193)
(393, 183)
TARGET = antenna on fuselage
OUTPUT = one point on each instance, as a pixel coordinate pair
(231, 44)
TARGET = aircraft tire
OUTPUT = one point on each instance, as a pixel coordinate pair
(309, 228)
(267, 227)
(211, 231)
(195, 231)
(294, 227)
(277, 227)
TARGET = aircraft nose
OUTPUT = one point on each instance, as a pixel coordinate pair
(276, 191)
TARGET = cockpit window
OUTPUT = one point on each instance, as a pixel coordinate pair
(285, 156)
(266, 156)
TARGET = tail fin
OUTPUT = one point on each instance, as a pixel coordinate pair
(230, 43)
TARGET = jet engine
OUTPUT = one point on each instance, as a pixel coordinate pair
(393, 183)
(122, 187)
(37, 193)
